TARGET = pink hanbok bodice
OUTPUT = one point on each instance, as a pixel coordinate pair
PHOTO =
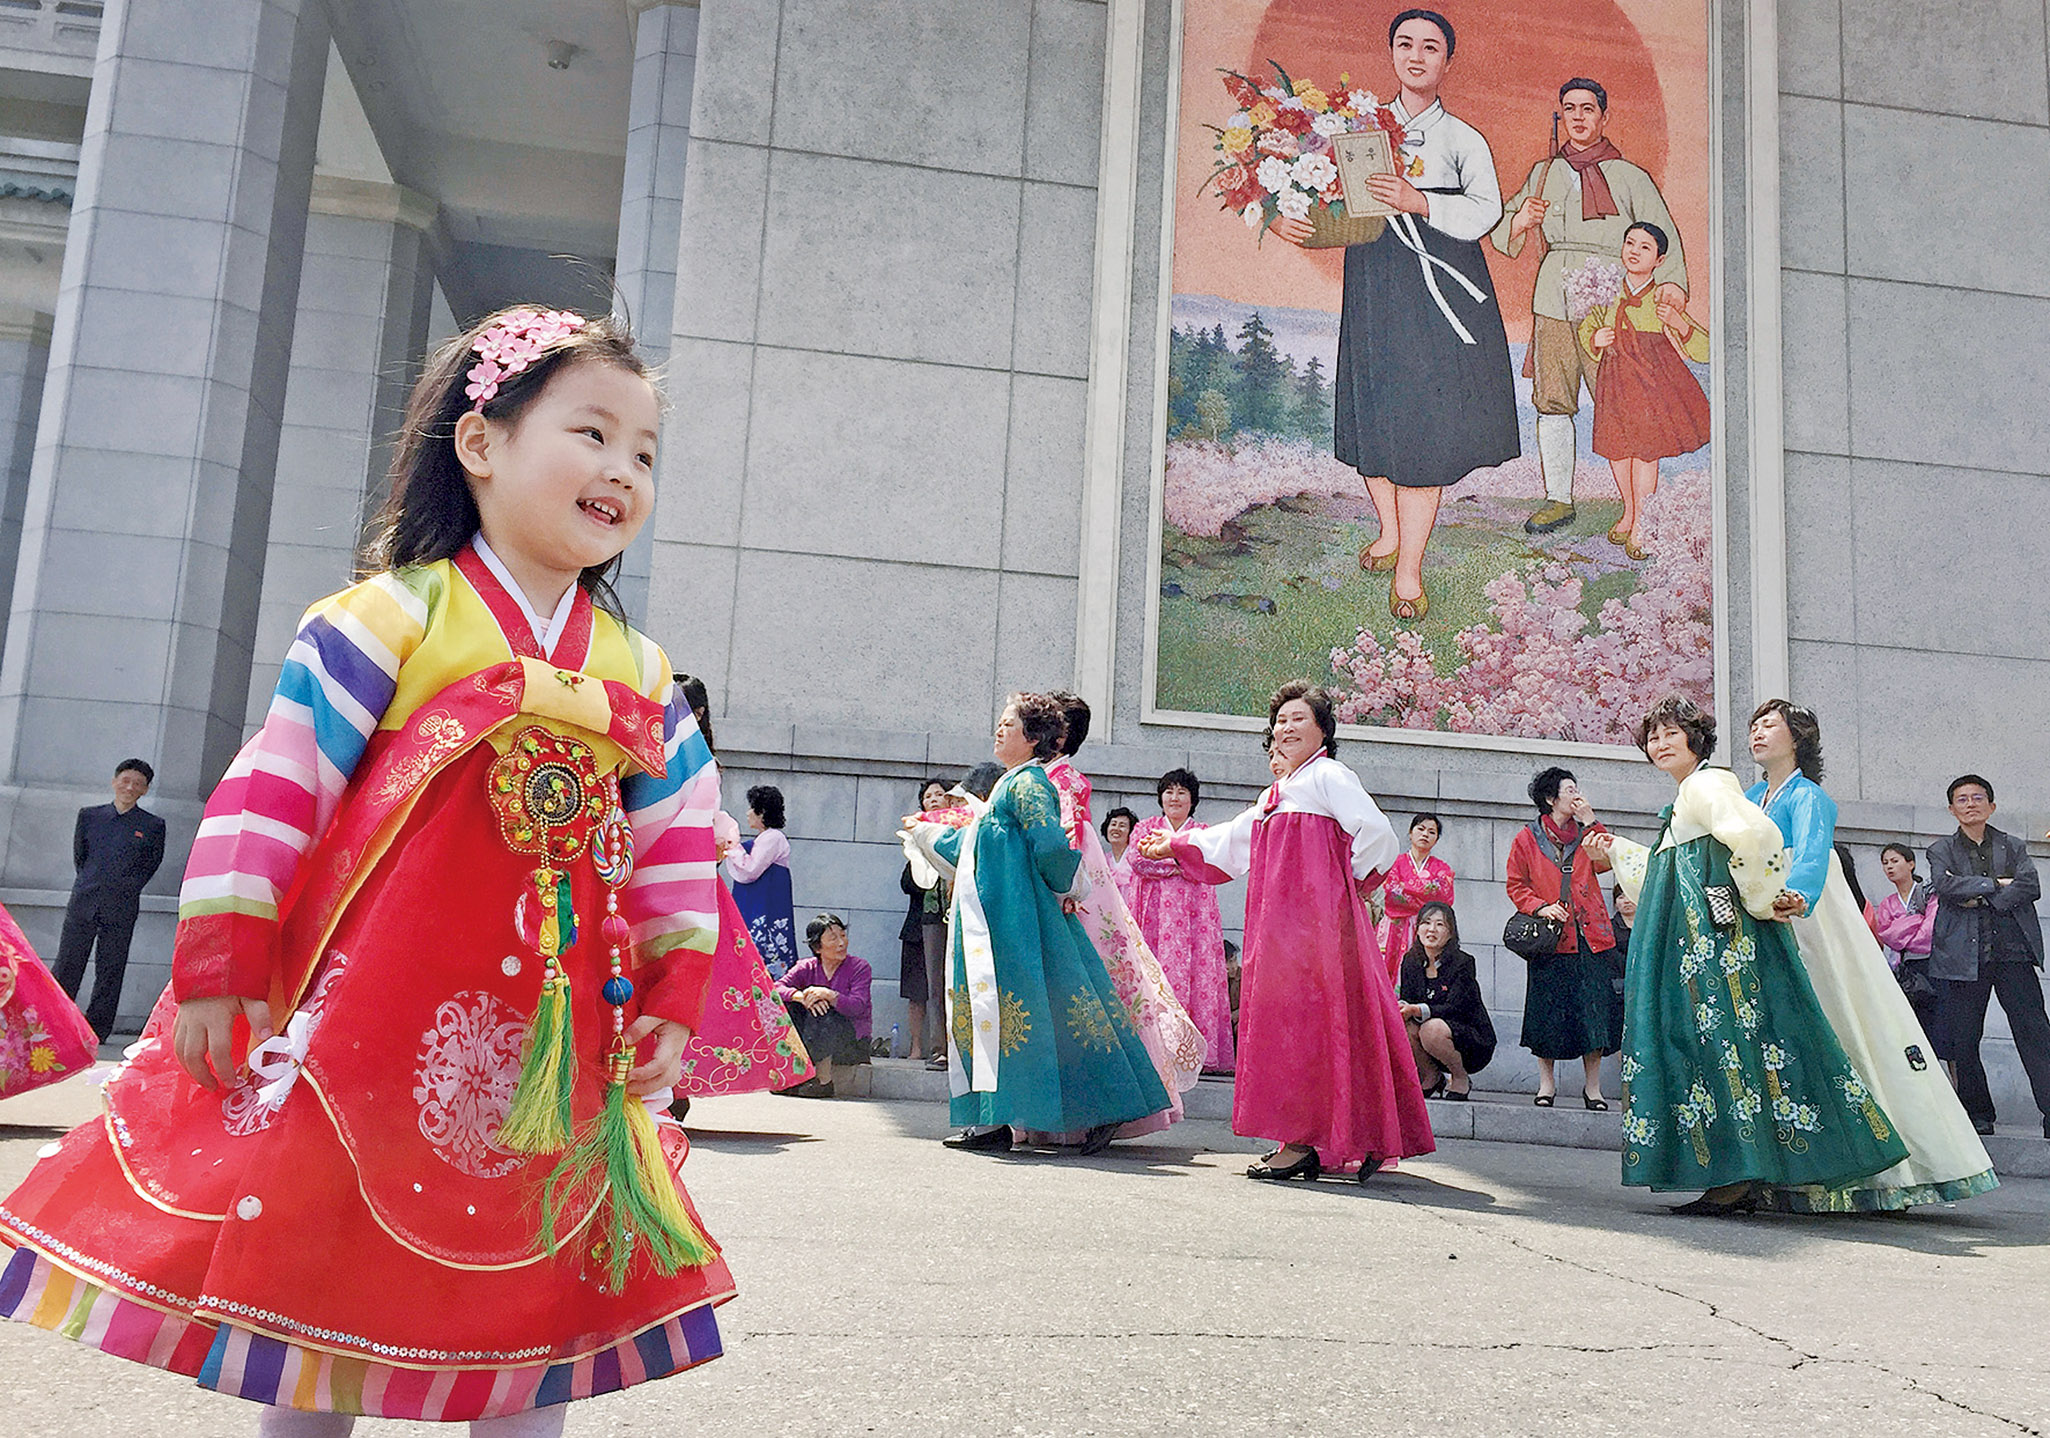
(1408, 889)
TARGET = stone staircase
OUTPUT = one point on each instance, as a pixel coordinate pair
(1491, 1115)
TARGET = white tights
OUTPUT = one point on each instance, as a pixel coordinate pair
(291, 1423)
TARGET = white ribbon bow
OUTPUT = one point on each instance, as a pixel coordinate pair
(277, 1060)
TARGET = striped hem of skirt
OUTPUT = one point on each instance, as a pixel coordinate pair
(275, 1371)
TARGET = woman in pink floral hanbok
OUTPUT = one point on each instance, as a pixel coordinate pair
(1179, 918)
(1171, 1037)
(1414, 880)
(43, 1036)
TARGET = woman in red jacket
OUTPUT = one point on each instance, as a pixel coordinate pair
(1568, 1009)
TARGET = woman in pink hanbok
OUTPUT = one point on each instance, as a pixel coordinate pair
(1324, 1065)
(1416, 879)
(1171, 1037)
(1179, 919)
(43, 1036)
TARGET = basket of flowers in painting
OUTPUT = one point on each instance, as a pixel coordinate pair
(1275, 160)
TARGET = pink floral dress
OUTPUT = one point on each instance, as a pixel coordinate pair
(1179, 918)
(1406, 892)
(43, 1036)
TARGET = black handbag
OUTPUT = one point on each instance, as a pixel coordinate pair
(1532, 936)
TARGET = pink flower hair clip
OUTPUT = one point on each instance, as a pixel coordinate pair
(511, 345)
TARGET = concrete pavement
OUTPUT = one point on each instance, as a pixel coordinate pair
(891, 1286)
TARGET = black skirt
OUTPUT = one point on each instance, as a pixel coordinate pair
(1569, 1006)
(1412, 400)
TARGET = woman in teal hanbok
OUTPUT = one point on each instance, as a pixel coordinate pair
(1037, 1035)
(1732, 1076)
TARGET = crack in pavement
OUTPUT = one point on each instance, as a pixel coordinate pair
(1802, 1357)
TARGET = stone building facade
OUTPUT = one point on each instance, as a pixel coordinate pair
(900, 259)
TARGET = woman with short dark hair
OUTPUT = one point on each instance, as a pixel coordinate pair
(828, 998)
(759, 871)
(1180, 920)
(1041, 1040)
(1568, 1006)
(1324, 1066)
(1733, 1079)
(923, 940)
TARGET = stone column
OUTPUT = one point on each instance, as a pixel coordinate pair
(364, 297)
(651, 212)
(148, 505)
(24, 360)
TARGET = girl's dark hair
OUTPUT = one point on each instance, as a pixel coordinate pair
(429, 513)
(982, 779)
(1427, 819)
(1897, 847)
(1075, 710)
(1416, 943)
(1686, 716)
(1180, 779)
(1319, 700)
(1044, 721)
(1444, 27)
(815, 931)
(1545, 786)
(767, 800)
(1843, 856)
(1806, 729)
(1121, 812)
(692, 689)
(1658, 236)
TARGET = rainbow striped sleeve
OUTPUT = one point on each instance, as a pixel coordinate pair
(672, 901)
(282, 790)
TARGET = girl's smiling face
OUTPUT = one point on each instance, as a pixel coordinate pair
(566, 485)
(1418, 50)
(1640, 254)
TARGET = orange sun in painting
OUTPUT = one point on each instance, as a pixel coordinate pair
(1512, 56)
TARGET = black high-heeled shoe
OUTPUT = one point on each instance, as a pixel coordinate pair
(1706, 1207)
(1369, 1166)
(1305, 1167)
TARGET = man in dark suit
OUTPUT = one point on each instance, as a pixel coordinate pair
(116, 848)
(1987, 941)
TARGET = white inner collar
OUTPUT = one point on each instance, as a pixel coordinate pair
(546, 632)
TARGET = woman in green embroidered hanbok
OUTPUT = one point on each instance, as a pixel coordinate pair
(1038, 1037)
(1732, 1076)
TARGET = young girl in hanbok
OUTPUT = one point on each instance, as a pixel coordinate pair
(44, 1039)
(445, 931)
(745, 1042)
(1857, 990)
(1733, 1079)
(1324, 1065)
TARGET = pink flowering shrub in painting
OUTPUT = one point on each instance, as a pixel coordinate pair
(1540, 669)
(1208, 483)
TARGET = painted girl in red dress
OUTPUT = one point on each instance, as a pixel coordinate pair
(444, 933)
(1648, 405)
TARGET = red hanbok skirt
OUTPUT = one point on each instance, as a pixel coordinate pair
(1647, 403)
(1323, 1056)
(363, 1243)
(745, 1043)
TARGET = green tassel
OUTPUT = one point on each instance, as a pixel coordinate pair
(540, 1120)
(565, 916)
(641, 1205)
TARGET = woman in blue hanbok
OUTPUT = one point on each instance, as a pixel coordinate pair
(1038, 1037)
(1872, 1018)
(1733, 1079)
(758, 870)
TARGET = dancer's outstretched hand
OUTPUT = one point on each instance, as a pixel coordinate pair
(203, 1036)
